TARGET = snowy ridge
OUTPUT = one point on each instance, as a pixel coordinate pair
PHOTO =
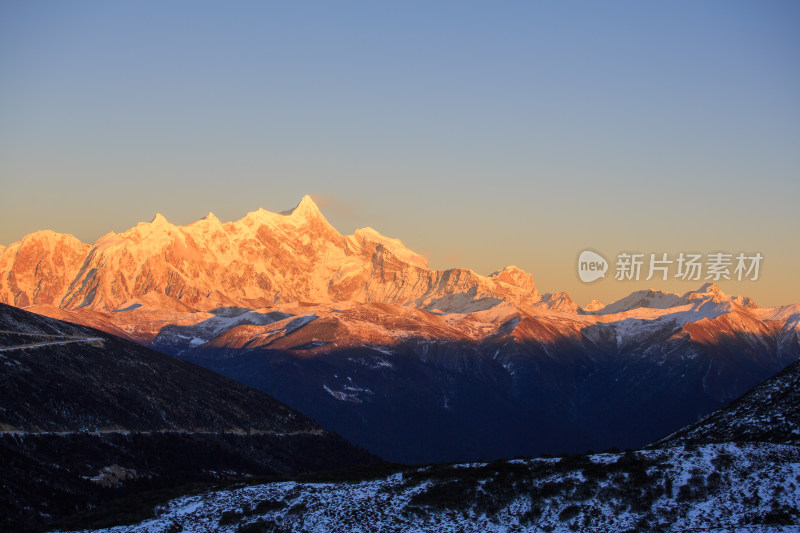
(709, 293)
(722, 487)
(261, 259)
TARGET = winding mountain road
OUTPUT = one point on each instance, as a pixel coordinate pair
(16, 432)
(57, 339)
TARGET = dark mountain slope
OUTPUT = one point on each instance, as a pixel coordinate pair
(534, 385)
(106, 383)
(85, 416)
(768, 413)
(736, 470)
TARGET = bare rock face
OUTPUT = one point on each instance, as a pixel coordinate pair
(263, 259)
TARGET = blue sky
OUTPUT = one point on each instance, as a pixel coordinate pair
(479, 133)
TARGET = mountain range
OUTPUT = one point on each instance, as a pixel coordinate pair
(412, 363)
(263, 259)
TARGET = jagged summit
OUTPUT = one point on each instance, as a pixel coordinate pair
(559, 301)
(159, 220)
(306, 213)
(710, 286)
(508, 268)
(515, 276)
(707, 290)
(307, 208)
(710, 292)
(594, 305)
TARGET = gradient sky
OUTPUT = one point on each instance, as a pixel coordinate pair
(480, 133)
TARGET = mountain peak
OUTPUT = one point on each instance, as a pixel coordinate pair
(48, 235)
(207, 223)
(513, 275)
(559, 301)
(594, 305)
(307, 208)
(709, 287)
(42, 234)
(159, 220)
(711, 292)
(646, 298)
(367, 231)
(708, 290)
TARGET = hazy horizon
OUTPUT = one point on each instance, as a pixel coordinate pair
(479, 135)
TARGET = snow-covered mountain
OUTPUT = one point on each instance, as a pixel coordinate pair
(265, 258)
(655, 299)
(40, 268)
(748, 487)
